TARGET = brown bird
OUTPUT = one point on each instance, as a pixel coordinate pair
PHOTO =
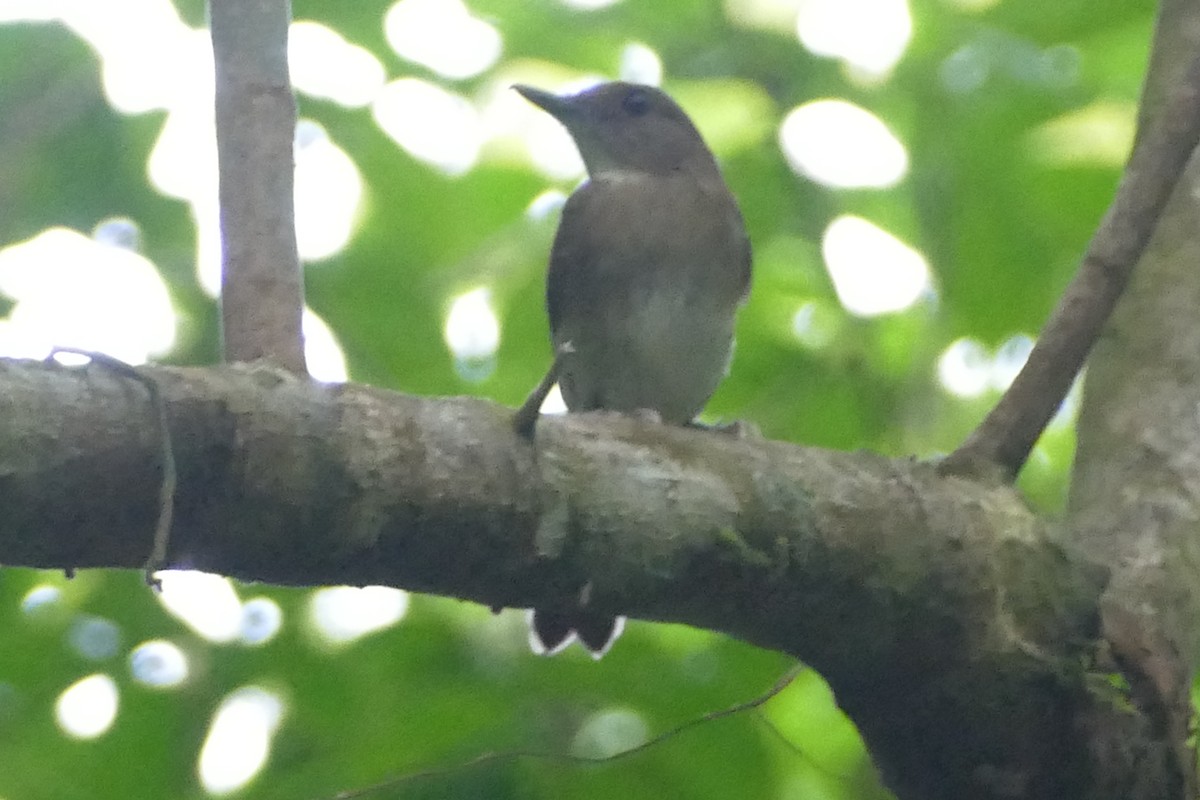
(649, 266)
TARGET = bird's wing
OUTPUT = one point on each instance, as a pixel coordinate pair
(745, 257)
(616, 236)
(574, 273)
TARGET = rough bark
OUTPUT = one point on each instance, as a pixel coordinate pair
(956, 628)
(1135, 492)
(262, 289)
(1135, 495)
(982, 651)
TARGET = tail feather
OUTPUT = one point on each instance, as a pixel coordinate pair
(551, 631)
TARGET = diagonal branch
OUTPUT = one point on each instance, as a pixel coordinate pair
(1007, 435)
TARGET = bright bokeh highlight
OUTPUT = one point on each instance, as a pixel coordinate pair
(964, 368)
(88, 707)
(204, 602)
(261, 620)
(443, 36)
(341, 614)
(159, 664)
(432, 124)
(39, 598)
(322, 352)
(71, 290)
(640, 64)
(472, 333)
(328, 190)
(872, 271)
(868, 36)
(967, 368)
(841, 145)
(323, 64)
(550, 148)
(472, 329)
(239, 739)
(161, 63)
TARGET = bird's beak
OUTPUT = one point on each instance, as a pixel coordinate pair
(561, 108)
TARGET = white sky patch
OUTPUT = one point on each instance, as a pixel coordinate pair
(239, 739)
(432, 124)
(88, 707)
(472, 330)
(869, 36)
(159, 664)
(873, 272)
(322, 352)
(443, 36)
(73, 291)
(204, 602)
(323, 64)
(327, 192)
(342, 614)
(841, 145)
(641, 64)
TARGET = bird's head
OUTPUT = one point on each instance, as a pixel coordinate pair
(627, 127)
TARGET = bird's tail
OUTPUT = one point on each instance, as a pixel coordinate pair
(551, 631)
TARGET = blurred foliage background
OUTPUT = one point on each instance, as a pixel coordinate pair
(919, 181)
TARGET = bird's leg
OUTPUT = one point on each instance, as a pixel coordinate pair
(526, 417)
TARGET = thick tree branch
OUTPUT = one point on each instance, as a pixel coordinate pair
(954, 628)
(1135, 493)
(262, 291)
(1005, 438)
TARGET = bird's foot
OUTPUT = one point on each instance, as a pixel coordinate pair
(740, 429)
(648, 415)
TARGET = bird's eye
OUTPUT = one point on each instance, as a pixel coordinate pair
(636, 103)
